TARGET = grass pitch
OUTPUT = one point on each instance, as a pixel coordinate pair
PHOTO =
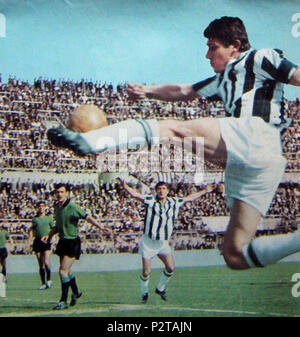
(192, 292)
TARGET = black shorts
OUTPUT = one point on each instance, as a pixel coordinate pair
(3, 253)
(69, 247)
(39, 246)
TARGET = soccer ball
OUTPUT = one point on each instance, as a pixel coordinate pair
(85, 118)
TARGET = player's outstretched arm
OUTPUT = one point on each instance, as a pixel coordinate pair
(194, 196)
(295, 79)
(95, 223)
(165, 92)
(133, 192)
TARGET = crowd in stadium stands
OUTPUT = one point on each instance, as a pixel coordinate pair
(25, 113)
(24, 108)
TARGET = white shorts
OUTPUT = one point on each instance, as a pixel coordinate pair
(149, 248)
(255, 164)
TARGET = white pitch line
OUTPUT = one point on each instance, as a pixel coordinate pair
(124, 308)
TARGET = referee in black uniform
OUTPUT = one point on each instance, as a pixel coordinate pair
(161, 214)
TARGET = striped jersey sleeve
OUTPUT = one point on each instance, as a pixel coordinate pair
(271, 64)
(208, 88)
(149, 199)
(180, 201)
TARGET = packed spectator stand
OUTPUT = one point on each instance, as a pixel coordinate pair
(30, 167)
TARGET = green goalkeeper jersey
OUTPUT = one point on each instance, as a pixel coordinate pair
(67, 217)
(42, 225)
(3, 237)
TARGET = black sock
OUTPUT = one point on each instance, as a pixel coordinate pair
(73, 284)
(48, 272)
(65, 283)
(42, 275)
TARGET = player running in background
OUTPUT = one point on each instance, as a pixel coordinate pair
(67, 215)
(250, 83)
(4, 236)
(41, 226)
(161, 214)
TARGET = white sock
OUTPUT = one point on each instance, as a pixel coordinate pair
(164, 279)
(144, 281)
(131, 133)
(270, 249)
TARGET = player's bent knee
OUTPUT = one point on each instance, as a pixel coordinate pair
(170, 270)
(235, 260)
(233, 263)
(63, 273)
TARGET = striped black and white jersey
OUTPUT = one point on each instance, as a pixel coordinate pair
(252, 85)
(160, 217)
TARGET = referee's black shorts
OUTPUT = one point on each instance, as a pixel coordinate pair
(69, 247)
(3, 253)
(39, 246)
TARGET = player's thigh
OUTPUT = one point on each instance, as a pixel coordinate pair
(206, 128)
(168, 261)
(66, 263)
(39, 257)
(242, 226)
(47, 254)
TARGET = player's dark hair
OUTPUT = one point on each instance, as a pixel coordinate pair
(227, 30)
(59, 185)
(41, 202)
(162, 183)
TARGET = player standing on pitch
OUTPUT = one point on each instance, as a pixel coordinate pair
(4, 236)
(250, 83)
(41, 226)
(67, 215)
(161, 214)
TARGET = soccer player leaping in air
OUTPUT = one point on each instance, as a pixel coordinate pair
(250, 83)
